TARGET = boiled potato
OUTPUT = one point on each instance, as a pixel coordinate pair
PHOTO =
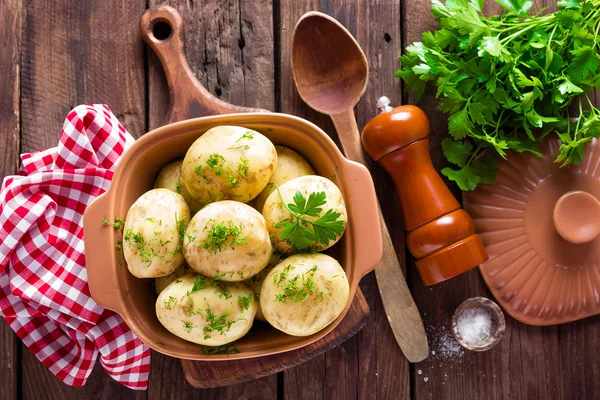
(304, 293)
(256, 281)
(153, 233)
(169, 177)
(162, 282)
(228, 162)
(229, 240)
(276, 213)
(206, 312)
(290, 165)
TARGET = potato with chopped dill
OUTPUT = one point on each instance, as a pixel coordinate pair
(228, 239)
(206, 311)
(228, 162)
(153, 233)
(256, 281)
(290, 165)
(304, 293)
(162, 282)
(169, 177)
(305, 215)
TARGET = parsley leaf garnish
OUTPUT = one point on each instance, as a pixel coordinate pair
(299, 231)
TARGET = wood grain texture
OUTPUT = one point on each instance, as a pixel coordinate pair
(175, 387)
(76, 52)
(10, 50)
(527, 362)
(229, 48)
(161, 27)
(380, 371)
(63, 38)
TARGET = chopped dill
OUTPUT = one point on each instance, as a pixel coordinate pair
(217, 324)
(248, 135)
(229, 348)
(117, 223)
(293, 292)
(170, 302)
(187, 325)
(222, 234)
(244, 302)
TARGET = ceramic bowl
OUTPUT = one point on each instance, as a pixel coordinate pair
(113, 287)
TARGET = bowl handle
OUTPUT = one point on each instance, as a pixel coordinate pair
(100, 242)
(364, 214)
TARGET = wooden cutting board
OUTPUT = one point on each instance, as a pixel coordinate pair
(161, 28)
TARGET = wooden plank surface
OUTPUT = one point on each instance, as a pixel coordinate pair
(229, 45)
(79, 51)
(76, 52)
(10, 50)
(369, 365)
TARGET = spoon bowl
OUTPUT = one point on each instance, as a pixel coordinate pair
(329, 67)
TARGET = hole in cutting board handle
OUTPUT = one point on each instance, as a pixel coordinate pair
(162, 30)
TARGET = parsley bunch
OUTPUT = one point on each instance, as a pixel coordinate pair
(507, 81)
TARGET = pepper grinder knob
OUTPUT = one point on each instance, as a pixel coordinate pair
(441, 235)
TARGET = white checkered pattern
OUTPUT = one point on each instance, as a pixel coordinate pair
(44, 294)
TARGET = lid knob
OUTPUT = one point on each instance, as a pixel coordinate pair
(577, 217)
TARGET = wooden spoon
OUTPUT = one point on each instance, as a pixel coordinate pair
(330, 71)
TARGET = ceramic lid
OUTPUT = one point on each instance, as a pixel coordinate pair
(544, 256)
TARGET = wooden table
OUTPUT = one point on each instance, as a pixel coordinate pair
(57, 54)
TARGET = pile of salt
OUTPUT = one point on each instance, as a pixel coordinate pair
(474, 325)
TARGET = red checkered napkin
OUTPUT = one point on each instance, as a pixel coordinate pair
(44, 294)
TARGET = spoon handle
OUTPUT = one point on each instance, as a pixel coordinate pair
(347, 130)
(400, 307)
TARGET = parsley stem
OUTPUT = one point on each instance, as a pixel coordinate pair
(593, 108)
(474, 155)
(499, 120)
(568, 123)
(517, 33)
(578, 119)
(552, 34)
(597, 27)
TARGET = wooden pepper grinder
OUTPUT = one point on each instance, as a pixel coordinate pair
(440, 235)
